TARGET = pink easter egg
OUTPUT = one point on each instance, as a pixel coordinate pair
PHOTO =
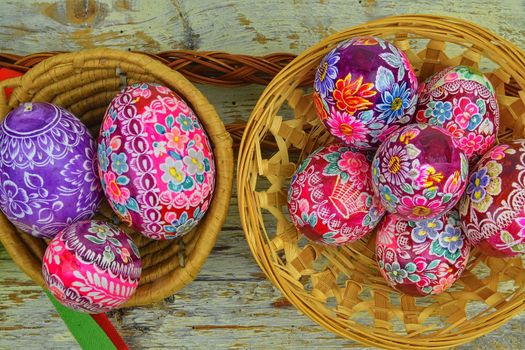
(92, 267)
(493, 207)
(421, 257)
(419, 173)
(330, 199)
(155, 161)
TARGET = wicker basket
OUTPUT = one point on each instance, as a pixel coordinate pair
(85, 82)
(341, 288)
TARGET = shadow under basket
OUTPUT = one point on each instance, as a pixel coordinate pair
(85, 82)
(341, 288)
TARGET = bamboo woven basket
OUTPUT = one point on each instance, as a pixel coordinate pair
(341, 288)
(85, 82)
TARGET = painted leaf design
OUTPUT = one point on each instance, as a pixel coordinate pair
(430, 193)
(366, 116)
(169, 121)
(132, 204)
(431, 276)
(95, 239)
(414, 278)
(160, 129)
(332, 157)
(407, 188)
(410, 267)
(446, 198)
(384, 79)
(122, 180)
(433, 264)
(115, 241)
(412, 151)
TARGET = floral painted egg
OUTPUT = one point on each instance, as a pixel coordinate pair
(155, 161)
(330, 199)
(421, 257)
(463, 101)
(47, 169)
(92, 267)
(419, 173)
(364, 88)
(493, 206)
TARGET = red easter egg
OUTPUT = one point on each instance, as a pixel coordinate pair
(421, 257)
(330, 199)
(493, 207)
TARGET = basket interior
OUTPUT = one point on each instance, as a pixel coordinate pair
(341, 288)
(86, 88)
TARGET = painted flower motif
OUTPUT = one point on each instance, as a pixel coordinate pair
(444, 284)
(352, 96)
(181, 225)
(354, 164)
(426, 229)
(453, 183)
(326, 73)
(428, 177)
(419, 206)
(452, 128)
(198, 141)
(175, 138)
(386, 194)
(394, 102)
(365, 41)
(194, 162)
(173, 171)
(480, 190)
(470, 143)
(451, 239)
(395, 165)
(464, 111)
(409, 135)
(500, 151)
(159, 148)
(119, 163)
(395, 273)
(117, 194)
(319, 106)
(125, 255)
(442, 112)
(15, 199)
(346, 127)
(451, 76)
(375, 171)
(103, 159)
(479, 180)
(186, 124)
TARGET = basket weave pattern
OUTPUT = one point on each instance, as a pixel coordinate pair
(85, 83)
(341, 288)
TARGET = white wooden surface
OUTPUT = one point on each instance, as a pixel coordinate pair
(230, 305)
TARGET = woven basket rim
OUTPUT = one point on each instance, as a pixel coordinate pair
(50, 70)
(260, 123)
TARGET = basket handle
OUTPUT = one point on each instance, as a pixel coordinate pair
(4, 103)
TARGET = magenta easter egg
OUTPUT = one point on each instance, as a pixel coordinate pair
(47, 169)
(421, 257)
(462, 101)
(493, 206)
(155, 161)
(364, 88)
(419, 173)
(92, 266)
(330, 199)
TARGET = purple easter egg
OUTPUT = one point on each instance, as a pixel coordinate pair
(365, 89)
(47, 169)
(419, 173)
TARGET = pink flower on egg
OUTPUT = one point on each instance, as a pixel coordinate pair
(117, 194)
(470, 143)
(304, 206)
(355, 165)
(176, 139)
(498, 152)
(453, 129)
(453, 183)
(419, 207)
(444, 269)
(451, 77)
(464, 111)
(443, 284)
(346, 127)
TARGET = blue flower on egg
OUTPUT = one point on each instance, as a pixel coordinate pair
(181, 225)
(451, 239)
(479, 180)
(387, 196)
(186, 124)
(426, 228)
(103, 159)
(119, 163)
(394, 102)
(442, 112)
(326, 74)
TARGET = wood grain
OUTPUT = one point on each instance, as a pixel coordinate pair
(230, 305)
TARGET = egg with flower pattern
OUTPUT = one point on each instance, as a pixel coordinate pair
(419, 173)
(47, 169)
(92, 267)
(463, 101)
(421, 257)
(330, 198)
(364, 88)
(156, 162)
(493, 206)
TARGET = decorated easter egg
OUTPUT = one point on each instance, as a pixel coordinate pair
(330, 198)
(419, 173)
(155, 161)
(364, 88)
(47, 169)
(92, 266)
(493, 206)
(463, 101)
(421, 257)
